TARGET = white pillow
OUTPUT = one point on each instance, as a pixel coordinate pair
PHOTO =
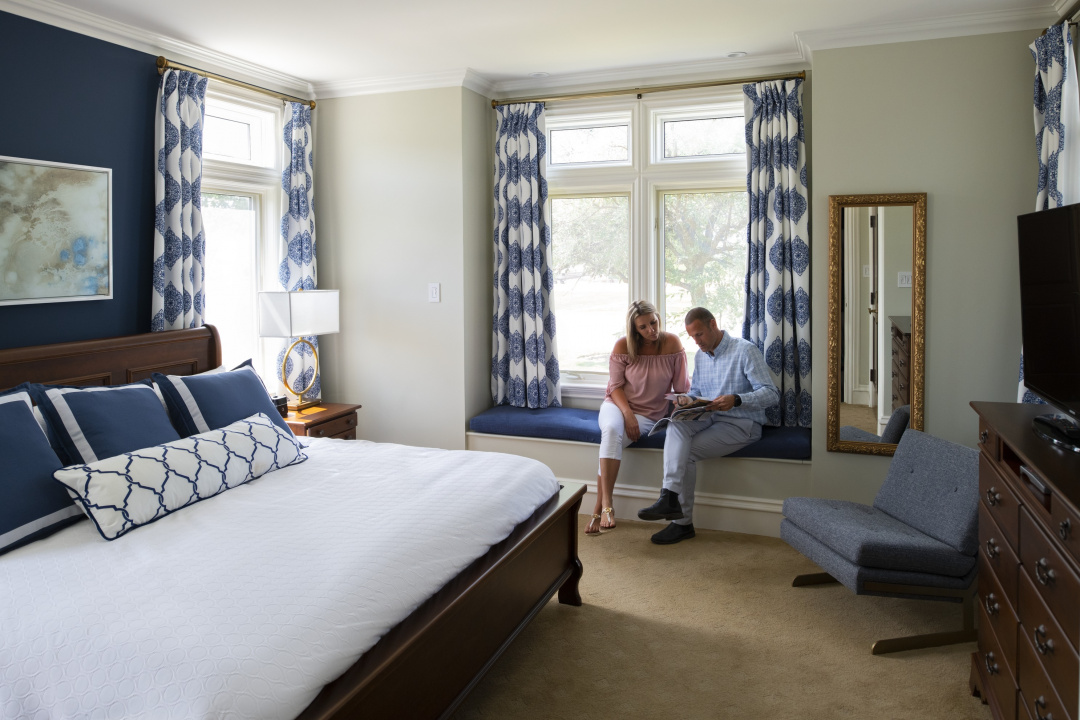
(126, 491)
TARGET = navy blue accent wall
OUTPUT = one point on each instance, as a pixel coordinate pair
(75, 99)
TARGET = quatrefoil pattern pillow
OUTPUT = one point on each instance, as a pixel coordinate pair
(126, 491)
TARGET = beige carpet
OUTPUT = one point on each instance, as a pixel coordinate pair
(711, 628)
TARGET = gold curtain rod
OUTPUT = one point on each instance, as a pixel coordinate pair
(164, 64)
(651, 89)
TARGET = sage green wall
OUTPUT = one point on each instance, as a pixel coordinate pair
(390, 190)
(951, 118)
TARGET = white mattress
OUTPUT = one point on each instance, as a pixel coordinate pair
(246, 604)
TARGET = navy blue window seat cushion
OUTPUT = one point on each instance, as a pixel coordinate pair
(782, 443)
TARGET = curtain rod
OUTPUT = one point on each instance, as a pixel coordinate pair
(164, 64)
(651, 89)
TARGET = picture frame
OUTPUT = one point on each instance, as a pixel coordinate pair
(55, 232)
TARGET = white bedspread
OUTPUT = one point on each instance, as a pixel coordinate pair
(246, 604)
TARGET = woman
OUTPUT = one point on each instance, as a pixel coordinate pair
(644, 366)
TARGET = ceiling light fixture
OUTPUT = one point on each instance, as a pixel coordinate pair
(737, 54)
(539, 74)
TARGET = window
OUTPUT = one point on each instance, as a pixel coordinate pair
(666, 223)
(240, 206)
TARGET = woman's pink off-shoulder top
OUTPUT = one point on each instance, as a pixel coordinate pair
(647, 380)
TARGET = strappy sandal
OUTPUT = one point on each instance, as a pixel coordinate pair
(594, 519)
(610, 512)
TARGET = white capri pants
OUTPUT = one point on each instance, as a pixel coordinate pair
(613, 436)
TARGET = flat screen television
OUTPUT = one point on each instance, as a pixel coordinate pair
(1049, 243)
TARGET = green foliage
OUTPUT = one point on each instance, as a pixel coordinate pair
(590, 237)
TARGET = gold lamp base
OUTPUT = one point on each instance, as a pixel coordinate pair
(300, 404)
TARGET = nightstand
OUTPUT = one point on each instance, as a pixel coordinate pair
(333, 420)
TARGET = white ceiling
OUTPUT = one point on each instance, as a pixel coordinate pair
(338, 47)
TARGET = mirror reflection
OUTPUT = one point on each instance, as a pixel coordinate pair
(875, 267)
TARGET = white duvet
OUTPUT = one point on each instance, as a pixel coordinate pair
(246, 604)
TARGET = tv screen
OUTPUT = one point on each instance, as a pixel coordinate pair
(1050, 304)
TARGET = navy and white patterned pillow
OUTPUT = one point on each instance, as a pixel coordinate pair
(136, 488)
(198, 403)
(32, 505)
(94, 423)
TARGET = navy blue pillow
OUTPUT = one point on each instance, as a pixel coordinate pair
(32, 504)
(94, 423)
(200, 403)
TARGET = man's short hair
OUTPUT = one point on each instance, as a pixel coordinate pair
(699, 313)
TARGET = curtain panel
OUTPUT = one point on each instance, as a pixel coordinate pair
(179, 243)
(1057, 117)
(297, 269)
(524, 363)
(778, 270)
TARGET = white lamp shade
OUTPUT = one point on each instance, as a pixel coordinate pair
(293, 314)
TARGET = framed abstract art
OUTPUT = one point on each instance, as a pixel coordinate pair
(55, 232)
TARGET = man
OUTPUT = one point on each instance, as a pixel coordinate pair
(733, 372)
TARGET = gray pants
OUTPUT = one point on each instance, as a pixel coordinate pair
(688, 442)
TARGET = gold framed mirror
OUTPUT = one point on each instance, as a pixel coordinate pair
(877, 316)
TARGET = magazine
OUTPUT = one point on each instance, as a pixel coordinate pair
(696, 410)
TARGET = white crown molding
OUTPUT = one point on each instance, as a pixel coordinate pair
(86, 23)
(466, 77)
(981, 23)
(714, 69)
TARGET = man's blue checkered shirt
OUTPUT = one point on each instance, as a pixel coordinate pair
(735, 367)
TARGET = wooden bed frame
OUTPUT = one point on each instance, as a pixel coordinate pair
(424, 667)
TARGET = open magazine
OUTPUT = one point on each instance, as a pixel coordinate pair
(694, 411)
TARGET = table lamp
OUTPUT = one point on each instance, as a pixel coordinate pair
(296, 314)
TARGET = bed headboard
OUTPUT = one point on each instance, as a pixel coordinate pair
(113, 361)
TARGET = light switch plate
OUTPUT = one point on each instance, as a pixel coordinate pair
(866, 271)
(433, 293)
(903, 279)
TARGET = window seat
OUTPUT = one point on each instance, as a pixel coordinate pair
(781, 443)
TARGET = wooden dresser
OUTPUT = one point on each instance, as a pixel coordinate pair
(334, 420)
(900, 331)
(1026, 666)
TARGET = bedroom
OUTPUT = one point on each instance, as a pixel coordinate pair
(947, 115)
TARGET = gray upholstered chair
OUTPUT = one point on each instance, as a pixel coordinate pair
(894, 429)
(918, 540)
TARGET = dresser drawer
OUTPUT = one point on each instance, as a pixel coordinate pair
(1053, 578)
(988, 440)
(1066, 525)
(1022, 708)
(998, 676)
(996, 553)
(335, 427)
(347, 435)
(999, 500)
(1000, 613)
(1057, 656)
(1039, 695)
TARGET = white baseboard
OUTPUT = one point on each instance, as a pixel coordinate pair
(712, 511)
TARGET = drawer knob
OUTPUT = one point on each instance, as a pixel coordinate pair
(1043, 647)
(1043, 573)
(1064, 527)
(1040, 705)
(984, 435)
(902, 363)
(991, 604)
(317, 433)
(992, 551)
(993, 496)
(991, 666)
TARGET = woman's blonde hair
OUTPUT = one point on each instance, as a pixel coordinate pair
(633, 337)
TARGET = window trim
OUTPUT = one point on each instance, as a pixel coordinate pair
(645, 178)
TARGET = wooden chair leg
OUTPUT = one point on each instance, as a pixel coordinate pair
(917, 642)
(813, 579)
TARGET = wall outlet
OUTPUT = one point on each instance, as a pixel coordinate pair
(433, 294)
(903, 279)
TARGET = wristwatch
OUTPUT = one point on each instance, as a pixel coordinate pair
(738, 401)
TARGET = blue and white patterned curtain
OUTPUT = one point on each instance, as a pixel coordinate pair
(778, 269)
(297, 268)
(179, 243)
(524, 364)
(1057, 118)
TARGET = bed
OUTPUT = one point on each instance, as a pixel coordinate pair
(425, 664)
